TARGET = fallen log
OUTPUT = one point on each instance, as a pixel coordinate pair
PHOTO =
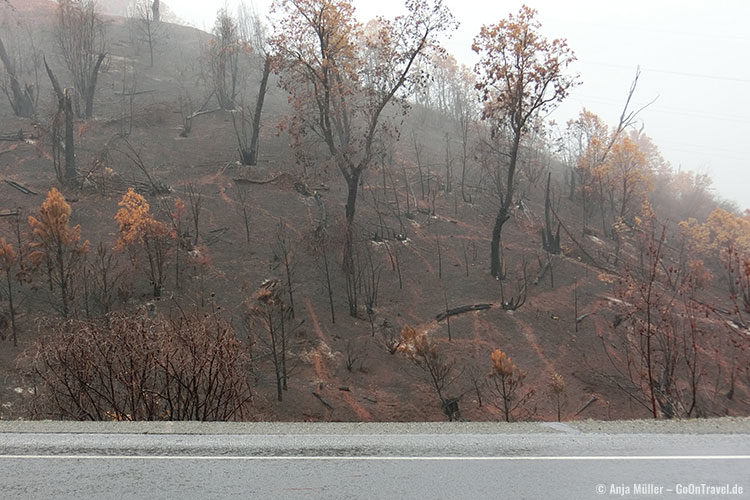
(138, 92)
(590, 402)
(583, 316)
(203, 112)
(462, 309)
(252, 181)
(9, 213)
(325, 403)
(18, 186)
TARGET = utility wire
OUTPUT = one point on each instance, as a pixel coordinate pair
(670, 72)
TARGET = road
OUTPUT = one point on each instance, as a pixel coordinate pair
(580, 460)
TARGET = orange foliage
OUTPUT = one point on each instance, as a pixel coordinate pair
(8, 256)
(424, 353)
(724, 236)
(140, 230)
(520, 71)
(415, 345)
(136, 222)
(51, 228)
(728, 230)
(507, 385)
(591, 136)
(8, 260)
(502, 364)
(57, 244)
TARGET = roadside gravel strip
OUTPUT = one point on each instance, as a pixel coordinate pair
(725, 425)
(438, 439)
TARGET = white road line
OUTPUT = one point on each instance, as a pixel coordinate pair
(373, 458)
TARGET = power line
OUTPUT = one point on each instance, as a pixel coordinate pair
(670, 72)
(665, 109)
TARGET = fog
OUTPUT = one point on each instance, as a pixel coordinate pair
(692, 55)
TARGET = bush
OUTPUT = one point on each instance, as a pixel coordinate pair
(132, 367)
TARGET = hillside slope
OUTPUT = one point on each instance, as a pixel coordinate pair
(429, 251)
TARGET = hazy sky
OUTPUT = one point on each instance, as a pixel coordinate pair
(693, 56)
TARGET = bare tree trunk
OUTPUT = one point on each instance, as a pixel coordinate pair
(495, 261)
(64, 105)
(259, 109)
(349, 266)
(63, 282)
(463, 171)
(284, 374)
(12, 308)
(329, 288)
(150, 37)
(90, 90)
(352, 184)
(155, 10)
(21, 102)
(70, 155)
(550, 240)
(503, 213)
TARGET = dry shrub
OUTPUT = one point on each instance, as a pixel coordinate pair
(506, 384)
(424, 353)
(132, 367)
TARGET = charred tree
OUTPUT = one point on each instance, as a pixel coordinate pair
(65, 174)
(80, 36)
(22, 100)
(550, 240)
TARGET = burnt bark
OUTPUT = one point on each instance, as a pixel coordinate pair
(70, 156)
(21, 100)
(550, 239)
(90, 90)
(352, 184)
(259, 109)
(67, 175)
(506, 200)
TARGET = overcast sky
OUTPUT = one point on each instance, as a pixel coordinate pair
(693, 56)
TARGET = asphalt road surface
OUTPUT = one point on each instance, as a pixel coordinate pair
(706, 459)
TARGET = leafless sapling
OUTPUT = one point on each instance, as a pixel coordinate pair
(244, 209)
(82, 41)
(195, 200)
(223, 59)
(145, 21)
(514, 302)
(106, 274)
(558, 393)
(370, 287)
(283, 250)
(268, 317)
